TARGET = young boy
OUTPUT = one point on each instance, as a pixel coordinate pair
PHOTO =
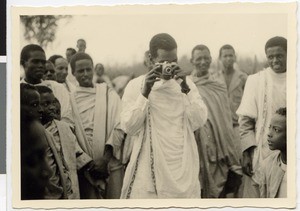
(272, 177)
(35, 170)
(72, 156)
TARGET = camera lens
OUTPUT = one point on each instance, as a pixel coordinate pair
(168, 69)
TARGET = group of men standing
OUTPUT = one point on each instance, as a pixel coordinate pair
(171, 135)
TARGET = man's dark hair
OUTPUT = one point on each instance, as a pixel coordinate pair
(161, 41)
(72, 50)
(201, 48)
(54, 57)
(25, 53)
(43, 89)
(281, 111)
(276, 41)
(225, 47)
(79, 56)
(24, 88)
(81, 40)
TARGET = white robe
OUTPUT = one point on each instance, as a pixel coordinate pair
(164, 162)
(265, 92)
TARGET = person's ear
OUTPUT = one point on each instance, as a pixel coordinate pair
(151, 59)
(210, 59)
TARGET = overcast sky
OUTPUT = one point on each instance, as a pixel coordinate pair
(124, 38)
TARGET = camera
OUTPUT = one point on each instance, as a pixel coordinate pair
(167, 70)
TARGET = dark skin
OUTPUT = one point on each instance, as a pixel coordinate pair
(277, 60)
(154, 74)
(84, 75)
(34, 67)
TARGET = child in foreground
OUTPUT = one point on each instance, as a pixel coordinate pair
(271, 177)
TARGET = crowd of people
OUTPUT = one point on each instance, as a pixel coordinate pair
(163, 134)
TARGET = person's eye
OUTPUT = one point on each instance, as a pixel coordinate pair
(35, 105)
(279, 56)
(270, 57)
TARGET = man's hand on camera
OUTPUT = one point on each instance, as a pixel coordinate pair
(180, 74)
(151, 77)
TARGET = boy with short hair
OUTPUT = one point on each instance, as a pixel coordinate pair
(271, 177)
(35, 170)
(72, 156)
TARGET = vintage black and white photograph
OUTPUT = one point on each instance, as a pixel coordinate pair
(154, 102)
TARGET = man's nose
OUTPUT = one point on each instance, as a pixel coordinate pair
(269, 134)
(202, 61)
(52, 107)
(85, 72)
(275, 59)
(39, 109)
(41, 63)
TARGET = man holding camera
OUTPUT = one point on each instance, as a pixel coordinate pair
(161, 110)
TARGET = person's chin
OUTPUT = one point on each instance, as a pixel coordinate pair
(87, 84)
(277, 69)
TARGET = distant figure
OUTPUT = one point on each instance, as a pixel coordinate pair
(271, 177)
(61, 71)
(119, 83)
(50, 72)
(235, 82)
(100, 75)
(69, 53)
(81, 45)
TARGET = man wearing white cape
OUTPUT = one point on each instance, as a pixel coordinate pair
(96, 109)
(161, 114)
(264, 93)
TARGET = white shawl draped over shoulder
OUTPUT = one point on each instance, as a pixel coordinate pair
(264, 93)
(164, 162)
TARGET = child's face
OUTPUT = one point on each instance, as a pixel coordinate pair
(277, 133)
(33, 103)
(35, 168)
(48, 107)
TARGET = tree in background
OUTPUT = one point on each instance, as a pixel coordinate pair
(41, 28)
